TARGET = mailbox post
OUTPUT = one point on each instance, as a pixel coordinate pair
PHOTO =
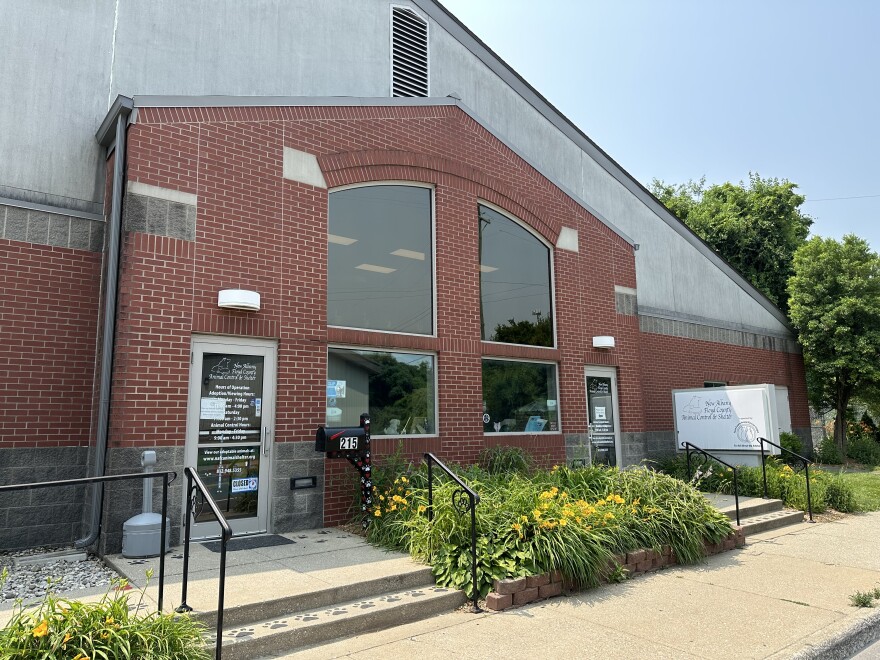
(353, 444)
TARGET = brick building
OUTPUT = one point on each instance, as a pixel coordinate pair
(404, 226)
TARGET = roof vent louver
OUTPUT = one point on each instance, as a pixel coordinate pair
(409, 53)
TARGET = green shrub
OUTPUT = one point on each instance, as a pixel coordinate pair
(792, 443)
(827, 453)
(841, 495)
(62, 628)
(563, 519)
(864, 449)
(862, 599)
(502, 459)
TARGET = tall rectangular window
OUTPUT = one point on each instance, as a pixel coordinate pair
(380, 260)
(396, 389)
(519, 397)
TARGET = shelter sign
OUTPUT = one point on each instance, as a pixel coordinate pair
(726, 418)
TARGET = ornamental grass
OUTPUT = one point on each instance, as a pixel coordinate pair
(570, 520)
(109, 629)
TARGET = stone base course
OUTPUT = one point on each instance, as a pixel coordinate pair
(514, 592)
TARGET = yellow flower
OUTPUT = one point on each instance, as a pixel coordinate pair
(66, 638)
(404, 480)
(109, 619)
(637, 501)
(422, 508)
(378, 513)
(537, 513)
(600, 503)
(382, 497)
(609, 516)
(516, 527)
(41, 630)
(81, 656)
(393, 507)
(563, 522)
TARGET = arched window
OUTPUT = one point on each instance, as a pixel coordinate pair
(515, 286)
(379, 264)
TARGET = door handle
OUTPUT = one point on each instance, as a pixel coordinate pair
(266, 440)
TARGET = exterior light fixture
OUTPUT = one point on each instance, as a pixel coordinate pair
(240, 299)
(603, 342)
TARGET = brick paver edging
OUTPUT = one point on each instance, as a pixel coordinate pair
(514, 592)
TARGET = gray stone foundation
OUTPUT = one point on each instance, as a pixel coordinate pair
(647, 446)
(297, 509)
(45, 516)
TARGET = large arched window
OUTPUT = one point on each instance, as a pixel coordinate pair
(379, 267)
(515, 291)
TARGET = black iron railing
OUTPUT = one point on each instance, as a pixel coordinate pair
(167, 478)
(195, 486)
(464, 499)
(803, 459)
(692, 447)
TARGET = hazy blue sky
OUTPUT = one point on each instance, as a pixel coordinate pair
(679, 89)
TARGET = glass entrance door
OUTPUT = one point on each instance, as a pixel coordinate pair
(603, 416)
(229, 430)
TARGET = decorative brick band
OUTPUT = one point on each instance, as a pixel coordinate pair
(675, 328)
(514, 592)
(42, 228)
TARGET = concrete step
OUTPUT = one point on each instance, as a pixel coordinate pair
(247, 613)
(748, 506)
(279, 635)
(772, 520)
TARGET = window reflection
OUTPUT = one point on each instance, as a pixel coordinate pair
(397, 389)
(515, 300)
(379, 264)
(519, 397)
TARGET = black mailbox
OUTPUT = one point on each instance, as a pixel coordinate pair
(343, 438)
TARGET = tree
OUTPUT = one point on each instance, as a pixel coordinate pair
(756, 227)
(835, 307)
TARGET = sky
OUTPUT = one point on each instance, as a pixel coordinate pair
(682, 89)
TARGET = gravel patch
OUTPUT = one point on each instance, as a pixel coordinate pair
(29, 582)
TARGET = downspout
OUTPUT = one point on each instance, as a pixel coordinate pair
(113, 127)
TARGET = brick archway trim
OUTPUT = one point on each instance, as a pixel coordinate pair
(342, 169)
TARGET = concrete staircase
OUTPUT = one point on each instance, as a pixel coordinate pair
(302, 589)
(755, 513)
(281, 627)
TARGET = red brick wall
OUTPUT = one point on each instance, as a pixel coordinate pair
(676, 363)
(48, 319)
(258, 231)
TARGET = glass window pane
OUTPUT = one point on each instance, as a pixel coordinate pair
(397, 389)
(519, 397)
(379, 270)
(515, 300)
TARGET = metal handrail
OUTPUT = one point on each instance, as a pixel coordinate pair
(194, 483)
(689, 445)
(117, 477)
(459, 503)
(806, 463)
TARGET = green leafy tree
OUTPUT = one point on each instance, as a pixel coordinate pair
(835, 307)
(756, 226)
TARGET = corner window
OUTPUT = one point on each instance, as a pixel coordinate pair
(380, 263)
(515, 296)
(519, 397)
(396, 389)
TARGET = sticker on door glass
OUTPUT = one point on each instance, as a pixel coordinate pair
(245, 485)
(213, 408)
(599, 413)
(336, 389)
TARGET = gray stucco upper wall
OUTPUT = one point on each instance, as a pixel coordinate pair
(55, 77)
(268, 48)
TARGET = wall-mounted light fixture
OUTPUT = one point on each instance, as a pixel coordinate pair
(240, 299)
(603, 342)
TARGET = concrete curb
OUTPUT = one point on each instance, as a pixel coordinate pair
(847, 643)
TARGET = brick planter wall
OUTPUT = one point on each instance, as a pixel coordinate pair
(514, 592)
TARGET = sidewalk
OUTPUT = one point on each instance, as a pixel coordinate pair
(786, 594)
